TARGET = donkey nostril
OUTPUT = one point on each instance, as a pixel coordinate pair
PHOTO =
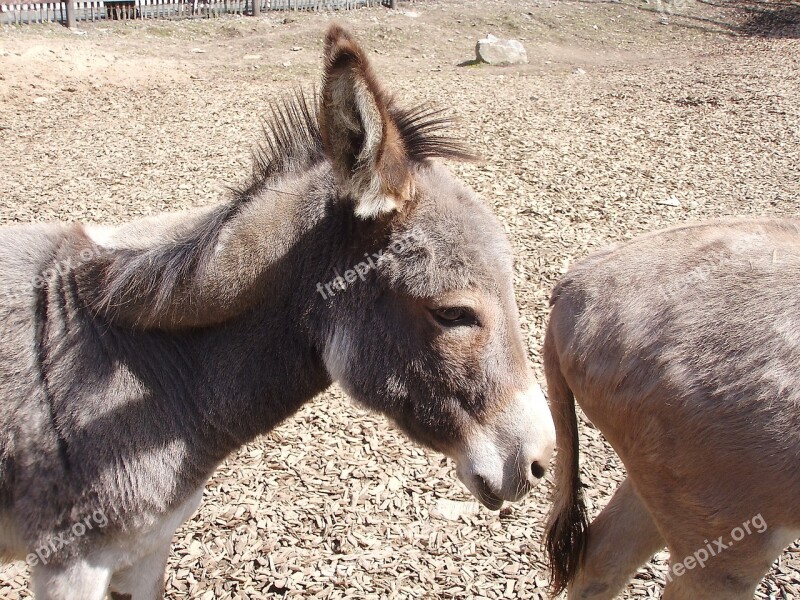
(537, 470)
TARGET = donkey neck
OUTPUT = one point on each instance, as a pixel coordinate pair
(204, 267)
(250, 353)
(254, 372)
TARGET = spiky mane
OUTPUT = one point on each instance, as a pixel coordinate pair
(292, 139)
(292, 143)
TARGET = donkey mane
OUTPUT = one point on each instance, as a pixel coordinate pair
(292, 139)
(292, 142)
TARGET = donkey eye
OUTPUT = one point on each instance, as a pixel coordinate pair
(450, 316)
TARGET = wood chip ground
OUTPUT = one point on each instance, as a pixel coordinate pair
(623, 122)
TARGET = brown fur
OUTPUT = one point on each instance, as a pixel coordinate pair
(682, 347)
(565, 541)
(350, 82)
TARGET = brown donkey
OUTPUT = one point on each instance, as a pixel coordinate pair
(135, 359)
(683, 348)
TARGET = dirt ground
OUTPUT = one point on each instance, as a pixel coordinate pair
(626, 120)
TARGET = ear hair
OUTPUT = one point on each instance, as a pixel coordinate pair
(358, 131)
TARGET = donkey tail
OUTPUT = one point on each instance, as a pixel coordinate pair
(567, 526)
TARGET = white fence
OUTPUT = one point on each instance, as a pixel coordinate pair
(20, 13)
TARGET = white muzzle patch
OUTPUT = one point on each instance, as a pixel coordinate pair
(504, 459)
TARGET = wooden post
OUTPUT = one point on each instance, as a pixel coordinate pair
(392, 3)
(256, 7)
(69, 5)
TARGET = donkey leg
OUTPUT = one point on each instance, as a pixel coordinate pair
(731, 573)
(143, 580)
(700, 585)
(735, 579)
(621, 538)
(75, 581)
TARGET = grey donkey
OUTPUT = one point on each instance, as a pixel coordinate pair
(136, 358)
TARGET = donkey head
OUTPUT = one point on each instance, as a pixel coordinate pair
(420, 318)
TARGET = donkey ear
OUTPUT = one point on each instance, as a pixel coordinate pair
(358, 133)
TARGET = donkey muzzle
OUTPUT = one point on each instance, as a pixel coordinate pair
(506, 457)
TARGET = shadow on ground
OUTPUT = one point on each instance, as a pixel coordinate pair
(755, 18)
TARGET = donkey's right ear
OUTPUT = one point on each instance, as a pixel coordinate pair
(358, 133)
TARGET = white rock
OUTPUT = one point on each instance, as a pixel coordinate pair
(500, 52)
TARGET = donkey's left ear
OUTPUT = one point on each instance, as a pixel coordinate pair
(358, 133)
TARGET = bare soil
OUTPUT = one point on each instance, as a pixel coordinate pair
(625, 120)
